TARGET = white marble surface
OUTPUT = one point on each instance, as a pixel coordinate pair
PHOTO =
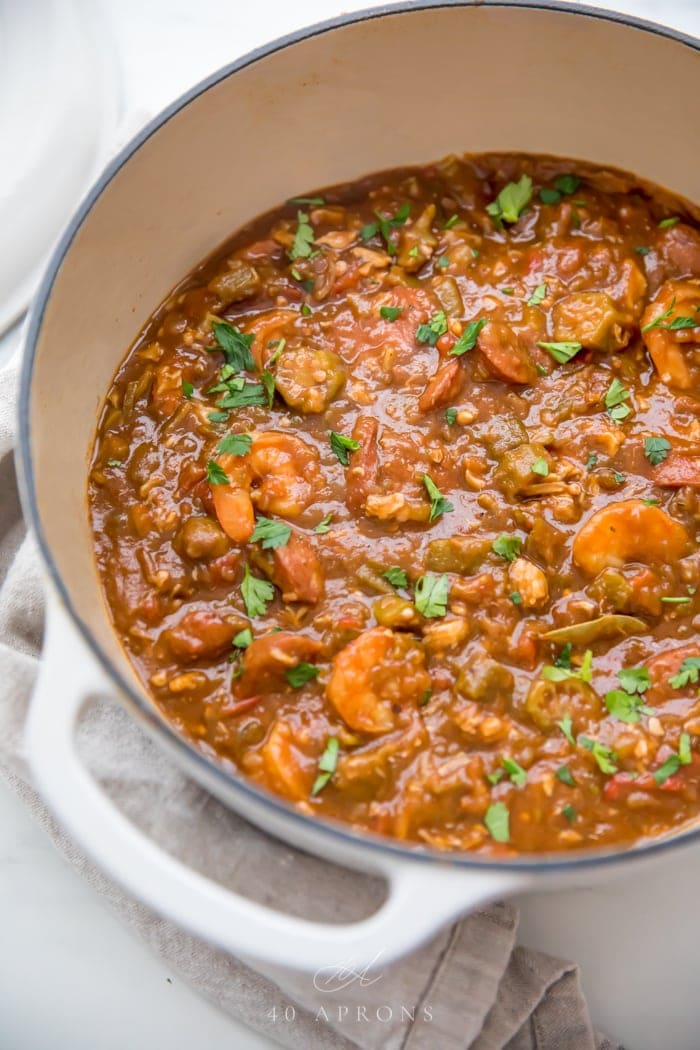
(72, 978)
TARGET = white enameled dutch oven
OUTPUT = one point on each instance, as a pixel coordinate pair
(392, 86)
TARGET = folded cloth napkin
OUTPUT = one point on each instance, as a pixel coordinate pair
(470, 987)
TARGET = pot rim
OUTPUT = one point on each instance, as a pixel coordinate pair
(332, 831)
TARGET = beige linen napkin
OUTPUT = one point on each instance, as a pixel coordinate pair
(470, 987)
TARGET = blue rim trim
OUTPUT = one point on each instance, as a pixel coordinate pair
(550, 863)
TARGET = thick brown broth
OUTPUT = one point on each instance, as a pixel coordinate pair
(513, 373)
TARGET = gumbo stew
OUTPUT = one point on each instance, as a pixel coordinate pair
(396, 503)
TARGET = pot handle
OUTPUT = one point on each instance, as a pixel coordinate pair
(422, 897)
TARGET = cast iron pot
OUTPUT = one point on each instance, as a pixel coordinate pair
(387, 87)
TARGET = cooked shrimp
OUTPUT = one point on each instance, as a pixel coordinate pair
(269, 328)
(266, 660)
(374, 676)
(670, 348)
(626, 532)
(279, 475)
(289, 770)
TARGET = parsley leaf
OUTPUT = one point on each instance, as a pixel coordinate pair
(564, 657)
(541, 467)
(538, 295)
(615, 401)
(656, 449)
(562, 352)
(431, 595)
(634, 679)
(511, 201)
(301, 674)
(234, 345)
(216, 475)
(438, 504)
(317, 202)
(326, 764)
(667, 769)
(677, 324)
(241, 394)
(684, 749)
(604, 756)
(468, 338)
(497, 821)
(560, 673)
(323, 525)
(187, 390)
(271, 534)
(570, 813)
(566, 725)
(303, 238)
(396, 577)
(515, 771)
(688, 674)
(430, 333)
(452, 221)
(256, 594)
(592, 461)
(342, 446)
(235, 445)
(387, 226)
(507, 546)
(626, 707)
(565, 775)
(567, 184)
(451, 416)
(549, 196)
(671, 221)
(243, 639)
(390, 313)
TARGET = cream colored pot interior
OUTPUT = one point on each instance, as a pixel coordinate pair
(403, 88)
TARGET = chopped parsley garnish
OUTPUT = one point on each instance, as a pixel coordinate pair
(256, 594)
(570, 813)
(688, 673)
(301, 674)
(497, 821)
(560, 673)
(468, 338)
(515, 771)
(271, 534)
(413, 253)
(674, 762)
(324, 525)
(562, 352)
(517, 599)
(187, 389)
(309, 201)
(234, 345)
(619, 478)
(390, 313)
(512, 201)
(634, 679)
(451, 416)
(615, 401)
(565, 775)
(217, 417)
(677, 324)
(235, 445)
(507, 546)
(592, 461)
(538, 295)
(426, 698)
(676, 601)
(303, 238)
(438, 504)
(268, 381)
(626, 707)
(564, 657)
(642, 249)
(396, 577)
(566, 725)
(540, 466)
(496, 777)
(671, 221)
(216, 475)
(443, 262)
(431, 595)
(605, 757)
(430, 332)
(342, 446)
(243, 639)
(656, 449)
(508, 291)
(326, 764)
(452, 221)
(306, 310)
(114, 463)
(240, 394)
(564, 186)
(386, 227)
